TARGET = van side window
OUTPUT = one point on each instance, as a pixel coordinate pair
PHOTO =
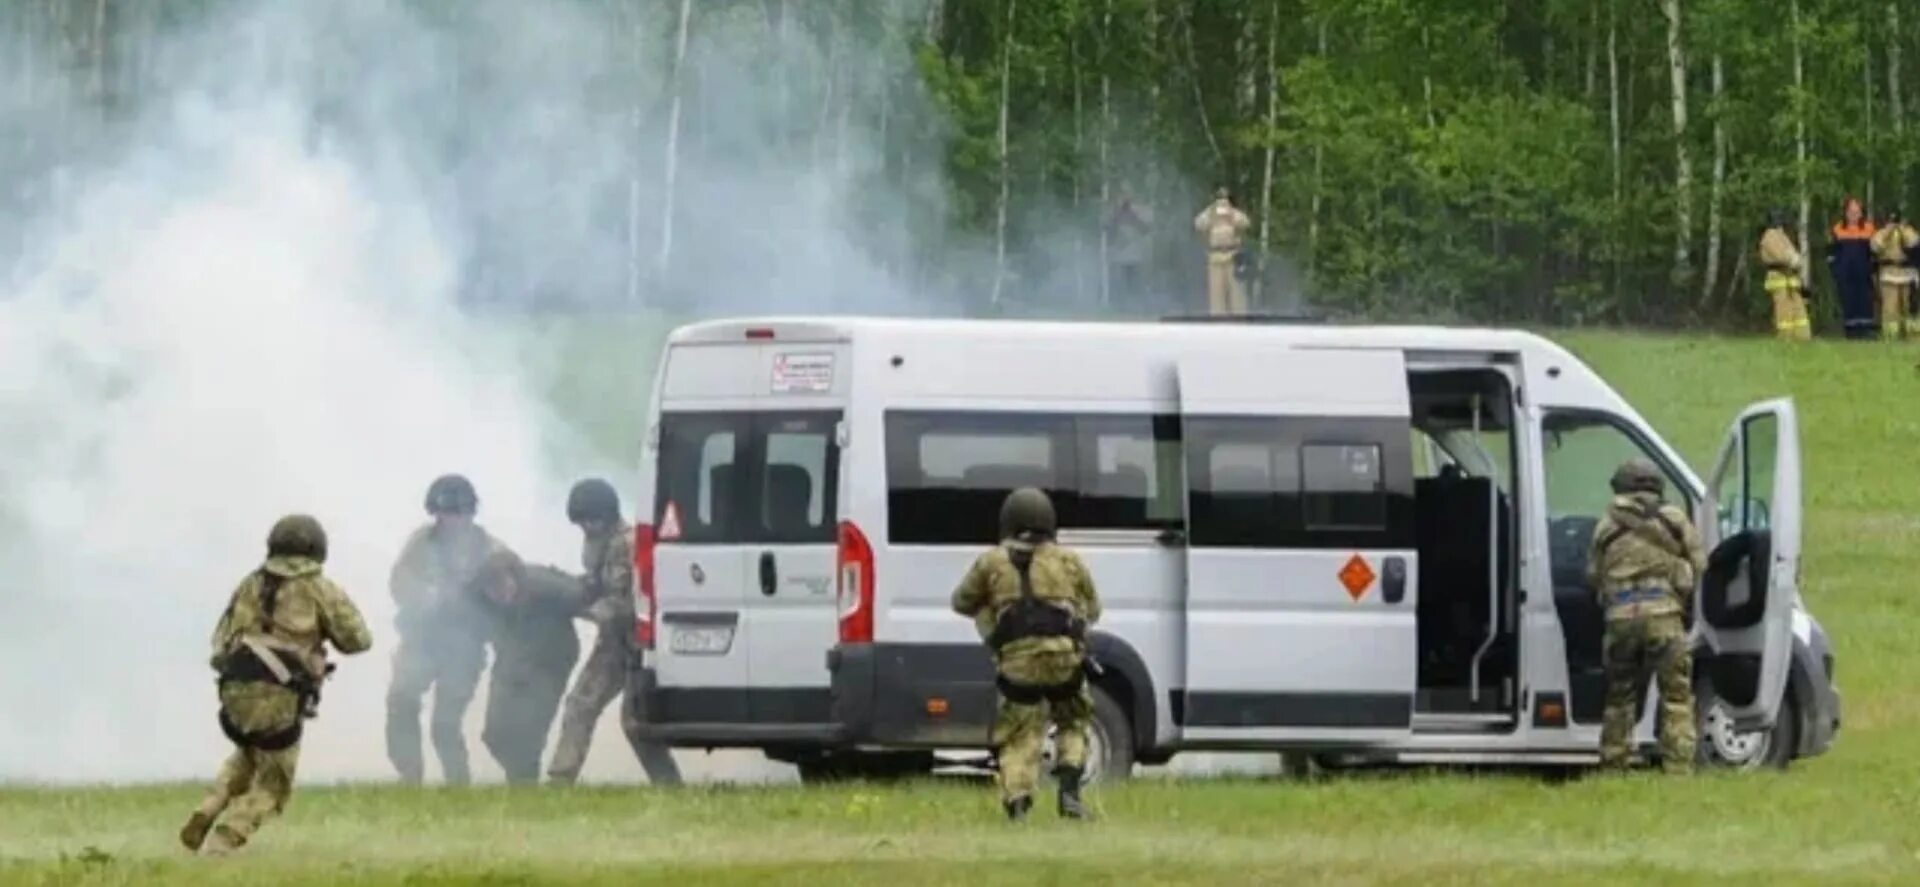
(738, 477)
(947, 473)
(1129, 473)
(1300, 483)
(1580, 452)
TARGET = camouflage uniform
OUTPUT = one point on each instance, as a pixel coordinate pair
(1645, 560)
(535, 650)
(991, 587)
(291, 610)
(608, 559)
(443, 626)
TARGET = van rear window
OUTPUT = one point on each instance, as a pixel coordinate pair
(748, 477)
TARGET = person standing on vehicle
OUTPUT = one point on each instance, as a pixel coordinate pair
(1893, 248)
(269, 649)
(1224, 226)
(1645, 561)
(535, 649)
(1032, 601)
(1783, 265)
(607, 556)
(443, 627)
(1850, 258)
(1130, 233)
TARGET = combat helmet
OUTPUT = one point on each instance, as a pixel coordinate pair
(451, 494)
(593, 499)
(1638, 475)
(297, 535)
(1027, 511)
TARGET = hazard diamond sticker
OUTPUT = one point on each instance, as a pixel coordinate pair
(670, 523)
(1357, 577)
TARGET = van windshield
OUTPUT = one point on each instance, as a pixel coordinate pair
(748, 477)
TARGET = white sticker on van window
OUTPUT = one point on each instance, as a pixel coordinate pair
(802, 373)
(670, 523)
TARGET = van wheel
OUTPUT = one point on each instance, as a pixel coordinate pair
(1723, 746)
(874, 766)
(1110, 753)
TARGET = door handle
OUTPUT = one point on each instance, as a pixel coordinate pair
(769, 574)
(1393, 580)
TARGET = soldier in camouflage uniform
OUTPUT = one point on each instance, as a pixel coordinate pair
(1645, 560)
(607, 556)
(1032, 601)
(444, 628)
(534, 651)
(269, 649)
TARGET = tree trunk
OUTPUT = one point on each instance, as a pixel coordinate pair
(1266, 173)
(1199, 96)
(1079, 153)
(636, 124)
(1613, 105)
(1319, 176)
(1894, 97)
(1866, 94)
(99, 41)
(1248, 74)
(673, 139)
(1000, 222)
(1682, 164)
(936, 22)
(1106, 140)
(1426, 73)
(1800, 140)
(1593, 48)
(1711, 272)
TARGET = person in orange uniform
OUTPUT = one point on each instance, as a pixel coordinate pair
(1850, 259)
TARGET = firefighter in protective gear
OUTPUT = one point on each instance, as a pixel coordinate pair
(607, 556)
(269, 650)
(1850, 258)
(1224, 226)
(1032, 601)
(1784, 265)
(442, 615)
(1644, 563)
(1893, 249)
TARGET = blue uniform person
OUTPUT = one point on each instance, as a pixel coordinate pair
(1850, 258)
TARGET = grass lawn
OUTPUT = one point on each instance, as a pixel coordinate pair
(1852, 816)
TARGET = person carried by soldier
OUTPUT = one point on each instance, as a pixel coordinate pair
(270, 653)
(1032, 600)
(444, 629)
(1645, 562)
(607, 556)
(1784, 267)
(535, 649)
(1224, 227)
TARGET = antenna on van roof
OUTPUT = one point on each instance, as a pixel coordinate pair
(1244, 318)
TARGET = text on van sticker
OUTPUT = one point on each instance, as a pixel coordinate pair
(802, 373)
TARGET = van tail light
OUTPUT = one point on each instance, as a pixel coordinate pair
(854, 585)
(646, 604)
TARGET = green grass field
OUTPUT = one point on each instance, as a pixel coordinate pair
(1848, 817)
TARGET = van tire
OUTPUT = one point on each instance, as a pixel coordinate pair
(1112, 730)
(1718, 749)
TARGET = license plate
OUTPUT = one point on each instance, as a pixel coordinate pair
(703, 641)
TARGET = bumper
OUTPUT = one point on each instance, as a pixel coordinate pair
(727, 717)
(1814, 689)
(913, 695)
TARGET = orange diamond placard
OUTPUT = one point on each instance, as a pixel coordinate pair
(1357, 577)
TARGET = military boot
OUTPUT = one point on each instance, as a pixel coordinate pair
(194, 833)
(1071, 806)
(225, 841)
(1017, 807)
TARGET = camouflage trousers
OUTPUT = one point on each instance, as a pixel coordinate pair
(602, 680)
(252, 787)
(449, 663)
(1651, 647)
(523, 695)
(1020, 728)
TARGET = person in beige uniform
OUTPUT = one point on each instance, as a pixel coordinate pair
(1224, 226)
(1893, 245)
(1783, 265)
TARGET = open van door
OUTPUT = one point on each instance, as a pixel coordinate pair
(1746, 599)
(1300, 605)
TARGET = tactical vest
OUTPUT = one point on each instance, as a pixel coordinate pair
(1030, 617)
(257, 658)
(1630, 595)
